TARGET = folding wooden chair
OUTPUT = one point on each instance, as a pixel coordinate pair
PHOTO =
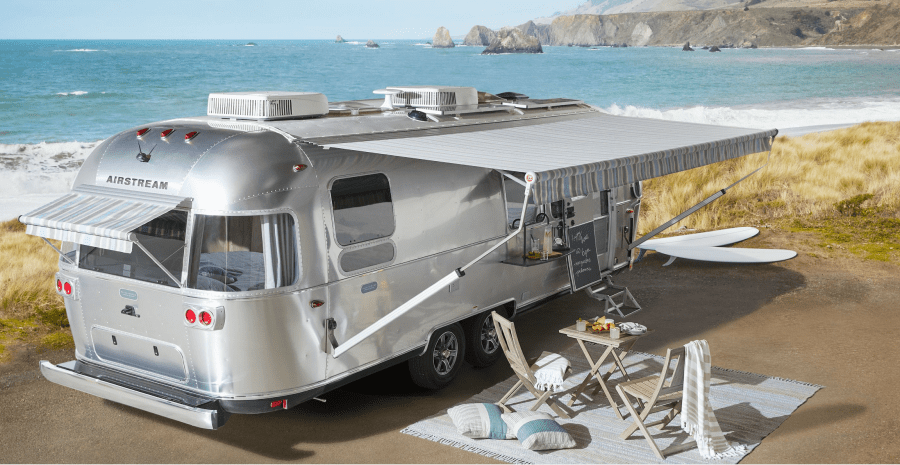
(524, 370)
(657, 393)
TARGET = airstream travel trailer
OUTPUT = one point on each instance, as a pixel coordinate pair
(283, 245)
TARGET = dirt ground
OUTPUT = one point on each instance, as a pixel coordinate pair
(830, 321)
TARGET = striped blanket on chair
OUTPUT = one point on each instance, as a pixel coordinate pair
(697, 417)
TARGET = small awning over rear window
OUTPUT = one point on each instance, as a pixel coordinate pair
(98, 216)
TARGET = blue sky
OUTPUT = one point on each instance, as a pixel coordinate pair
(261, 19)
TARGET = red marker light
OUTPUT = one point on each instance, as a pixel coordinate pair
(279, 403)
(141, 132)
(165, 133)
(58, 285)
(298, 168)
(190, 135)
(205, 318)
(68, 288)
(190, 316)
(316, 303)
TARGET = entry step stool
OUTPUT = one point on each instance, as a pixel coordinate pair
(615, 299)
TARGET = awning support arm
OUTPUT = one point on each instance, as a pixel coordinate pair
(64, 256)
(434, 288)
(693, 209)
(133, 238)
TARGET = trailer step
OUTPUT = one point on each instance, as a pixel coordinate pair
(615, 299)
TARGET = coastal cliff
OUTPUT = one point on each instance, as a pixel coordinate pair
(778, 27)
(751, 27)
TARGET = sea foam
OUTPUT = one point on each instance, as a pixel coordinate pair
(774, 115)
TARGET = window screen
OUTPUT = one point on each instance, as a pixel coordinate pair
(352, 260)
(362, 208)
(163, 237)
(243, 253)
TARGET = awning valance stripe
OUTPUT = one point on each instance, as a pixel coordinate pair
(88, 218)
(578, 154)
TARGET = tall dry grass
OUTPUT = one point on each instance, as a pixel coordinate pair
(30, 309)
(806, 178)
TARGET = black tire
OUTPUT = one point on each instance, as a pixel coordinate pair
(442, 359)
(482, 346)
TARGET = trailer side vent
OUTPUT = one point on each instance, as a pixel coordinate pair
(265, 106)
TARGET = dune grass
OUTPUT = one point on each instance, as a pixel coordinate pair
(30, 310)
(843, 186)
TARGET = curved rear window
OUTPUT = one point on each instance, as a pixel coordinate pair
(243, 253)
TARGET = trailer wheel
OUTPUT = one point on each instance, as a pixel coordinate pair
(442, 359)
(483, 348)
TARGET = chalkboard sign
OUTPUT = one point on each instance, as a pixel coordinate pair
(584, 269)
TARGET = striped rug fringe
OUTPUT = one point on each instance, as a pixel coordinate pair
(465, 447)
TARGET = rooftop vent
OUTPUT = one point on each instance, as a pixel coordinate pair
(431, 99)
(264, 106)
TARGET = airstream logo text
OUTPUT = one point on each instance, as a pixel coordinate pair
(149, 183)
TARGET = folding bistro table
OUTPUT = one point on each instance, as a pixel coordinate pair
(623, 344)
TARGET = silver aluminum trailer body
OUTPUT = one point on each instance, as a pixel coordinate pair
(269, 345)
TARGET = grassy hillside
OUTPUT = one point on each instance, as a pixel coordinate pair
(30, 310)
(843, 185)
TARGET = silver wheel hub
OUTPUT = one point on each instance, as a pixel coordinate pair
(489, 342)
(446, 351)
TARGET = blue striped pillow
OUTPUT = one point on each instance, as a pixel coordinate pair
(480, 421)
(538, 431)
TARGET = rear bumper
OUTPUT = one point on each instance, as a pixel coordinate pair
(141, 394)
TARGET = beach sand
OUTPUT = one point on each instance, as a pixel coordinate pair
(833, 322)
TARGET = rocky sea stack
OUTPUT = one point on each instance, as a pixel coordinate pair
(687, 47)
(371, 44)
(714, 49)
(442, 39)
(512, 40)
(339, 40)
(479, 36)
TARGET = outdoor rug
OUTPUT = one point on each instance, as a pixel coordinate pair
(748, 407)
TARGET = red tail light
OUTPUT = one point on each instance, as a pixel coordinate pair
(190, 135)
(68, 289)
(58, 285)
(190, 316)
(205, 318)
(141, 132)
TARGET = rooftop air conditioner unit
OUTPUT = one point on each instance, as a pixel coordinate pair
(431, 99)
(265, 106)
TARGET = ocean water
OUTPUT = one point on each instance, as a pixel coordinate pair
(58, 99)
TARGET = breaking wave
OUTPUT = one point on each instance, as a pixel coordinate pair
(776, 115)
(77, 92)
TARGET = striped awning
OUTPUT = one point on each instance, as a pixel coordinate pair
(97, 216)
(570, 156)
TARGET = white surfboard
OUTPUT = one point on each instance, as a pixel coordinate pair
(705, 239)
(726, 254)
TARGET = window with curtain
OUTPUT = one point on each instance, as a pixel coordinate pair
(243, 253)
(362, 208)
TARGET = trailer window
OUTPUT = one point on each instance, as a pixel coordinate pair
(243, 253)
(163, 237)
(362, 208)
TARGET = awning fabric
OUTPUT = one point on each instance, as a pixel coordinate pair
(98, 217)
(571, 156)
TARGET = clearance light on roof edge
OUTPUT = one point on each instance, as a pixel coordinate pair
(189, 136)
(165, 133)
(143, 131)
